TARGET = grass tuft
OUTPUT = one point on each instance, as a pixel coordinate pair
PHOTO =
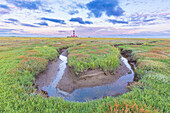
(93, 56)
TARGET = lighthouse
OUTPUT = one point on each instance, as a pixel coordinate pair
(74, 34)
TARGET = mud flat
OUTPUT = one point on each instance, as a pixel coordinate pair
(60, 81)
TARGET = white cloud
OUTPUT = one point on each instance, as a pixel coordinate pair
(61, 9)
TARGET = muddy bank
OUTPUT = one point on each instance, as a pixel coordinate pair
(128, 55)
(47, 77)
(92, 78)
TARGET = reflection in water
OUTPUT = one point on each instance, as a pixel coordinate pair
(60, 73)
(89, 93)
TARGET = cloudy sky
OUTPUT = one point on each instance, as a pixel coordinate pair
(95, 18)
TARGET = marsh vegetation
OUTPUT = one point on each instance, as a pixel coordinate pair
(22, 59)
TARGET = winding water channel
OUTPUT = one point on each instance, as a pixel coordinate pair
(89, 93)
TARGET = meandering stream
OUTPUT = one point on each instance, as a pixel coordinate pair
(89, 93)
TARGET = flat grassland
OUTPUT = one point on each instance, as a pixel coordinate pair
(21, 59)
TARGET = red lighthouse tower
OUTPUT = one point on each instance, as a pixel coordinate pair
(74, 34)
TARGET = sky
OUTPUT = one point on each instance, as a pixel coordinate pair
(90, 18)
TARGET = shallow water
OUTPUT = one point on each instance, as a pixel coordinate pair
(90, 93)
(62, 67)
